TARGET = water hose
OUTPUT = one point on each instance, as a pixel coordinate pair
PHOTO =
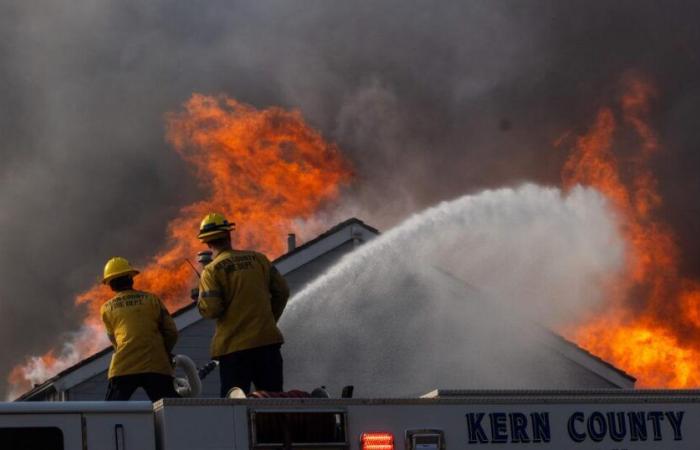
(190, 386)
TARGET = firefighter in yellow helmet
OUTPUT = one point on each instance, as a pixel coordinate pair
(143, 335)
(246, 295)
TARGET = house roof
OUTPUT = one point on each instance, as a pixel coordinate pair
(592, 357)
(333, 237)
(561, 345)
(351, 229)
(324, 235)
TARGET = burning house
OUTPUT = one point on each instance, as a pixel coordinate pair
(292, 118)
(386, 351)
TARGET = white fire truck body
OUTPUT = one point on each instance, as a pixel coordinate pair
(601, 420)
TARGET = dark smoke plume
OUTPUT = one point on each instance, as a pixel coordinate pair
(429, 100)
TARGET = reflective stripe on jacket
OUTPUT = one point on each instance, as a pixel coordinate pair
(246, 295)
(142, 332)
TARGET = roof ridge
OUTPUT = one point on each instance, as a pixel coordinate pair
(335, 228)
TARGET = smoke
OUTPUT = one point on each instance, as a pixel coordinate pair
(415, 308)
(429, 101)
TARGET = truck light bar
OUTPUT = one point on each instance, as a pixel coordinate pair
(377, 441)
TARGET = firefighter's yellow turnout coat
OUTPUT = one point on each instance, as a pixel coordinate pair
(142, 332)
(246, 295)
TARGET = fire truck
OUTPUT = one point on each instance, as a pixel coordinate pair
(440, 420)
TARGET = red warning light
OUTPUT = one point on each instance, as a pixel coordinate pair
(377, 441)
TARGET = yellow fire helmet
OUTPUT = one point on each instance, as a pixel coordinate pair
(117, 267)
(214, 226)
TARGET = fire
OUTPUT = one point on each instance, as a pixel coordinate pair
(650, 324)
(266, 170)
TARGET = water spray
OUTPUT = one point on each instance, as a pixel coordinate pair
(404, 315)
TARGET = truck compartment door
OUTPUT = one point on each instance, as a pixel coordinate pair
(40, 432)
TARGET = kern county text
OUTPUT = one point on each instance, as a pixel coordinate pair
(594, 426)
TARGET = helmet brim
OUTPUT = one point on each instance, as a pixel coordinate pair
(214, 234)
(112, 276)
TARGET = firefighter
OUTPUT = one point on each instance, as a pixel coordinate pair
(246, 295)
(142, 333)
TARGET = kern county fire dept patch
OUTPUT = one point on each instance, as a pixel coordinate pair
(126, 301)
(235, 263)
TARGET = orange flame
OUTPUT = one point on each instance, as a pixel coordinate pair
(266, 170)
(650, 324)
